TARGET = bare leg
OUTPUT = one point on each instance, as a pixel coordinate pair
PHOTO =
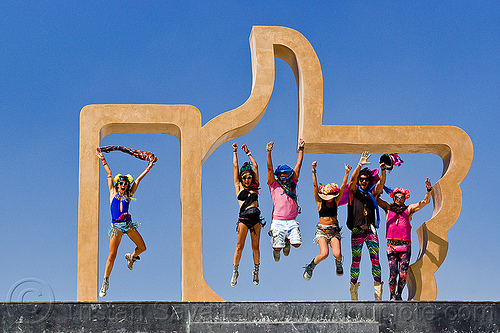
(114, 242)
(136, 237)
(336, 251)
(323, 248)
(255, 236)
(241, 235)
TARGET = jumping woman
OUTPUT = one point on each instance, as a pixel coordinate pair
(327, 198)
(121, 190)
(246, 184)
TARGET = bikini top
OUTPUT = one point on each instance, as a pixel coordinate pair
(248, 198)
(119, 206)
(326, 211)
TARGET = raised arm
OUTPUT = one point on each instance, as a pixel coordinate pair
(381, 182)
(348, 169)
(382, 204)
(236, 171)
(252, 160)
(269, 160)
(300, 158)
(315, 183)
(136, 182)
(111, 184)
(418, 206)
(363, 160)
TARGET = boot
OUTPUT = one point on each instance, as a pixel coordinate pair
(104, 288)
(234, 278)
(378, 290)
(256, 274)
(130, 260)
(354, 291)
(339, 268)
(309, 271)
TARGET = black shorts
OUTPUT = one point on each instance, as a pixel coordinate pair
(250, 217)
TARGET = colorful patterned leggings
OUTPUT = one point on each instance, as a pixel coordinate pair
(358, 237)
(398, 265)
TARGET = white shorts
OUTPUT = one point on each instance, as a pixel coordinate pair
(282, 229)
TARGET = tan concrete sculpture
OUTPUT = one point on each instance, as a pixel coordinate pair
(197, 143)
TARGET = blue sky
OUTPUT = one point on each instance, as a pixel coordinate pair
(383, 63)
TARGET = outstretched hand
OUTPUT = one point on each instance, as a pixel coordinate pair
(314, 165)
(245, 148)
(302, 143)
(270, 145)
(428, 184)
(100, 155)
(364, 158)
(235, 146)
(347, 167)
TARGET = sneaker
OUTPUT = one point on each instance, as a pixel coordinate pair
(130, 260)
(256, 274)
(393, 296)
(234, 278)
(286, 249)
(276, 255)
(104, 288)
(308, 272)
(398, 297)
(340, 269)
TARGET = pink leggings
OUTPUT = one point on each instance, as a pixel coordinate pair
(398, 265)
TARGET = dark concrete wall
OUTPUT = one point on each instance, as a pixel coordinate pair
(251, 317)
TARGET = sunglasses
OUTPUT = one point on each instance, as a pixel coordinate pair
(122, 183)
(246, 177)
(399, 197)
(363, 179)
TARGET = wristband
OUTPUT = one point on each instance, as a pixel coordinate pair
(359, 164)
(429, 189)
(235, 151)
(271, 149)
(313, 171)
(249, 153)
(301, 148)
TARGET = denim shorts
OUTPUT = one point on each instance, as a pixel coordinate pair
(122, 226)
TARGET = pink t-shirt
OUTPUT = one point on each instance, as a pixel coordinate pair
(284, 207)
(398, 225)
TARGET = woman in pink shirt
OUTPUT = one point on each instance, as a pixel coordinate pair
(398, 235)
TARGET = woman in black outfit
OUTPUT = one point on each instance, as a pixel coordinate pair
(246, 184)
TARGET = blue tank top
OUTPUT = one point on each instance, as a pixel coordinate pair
(115, 206)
